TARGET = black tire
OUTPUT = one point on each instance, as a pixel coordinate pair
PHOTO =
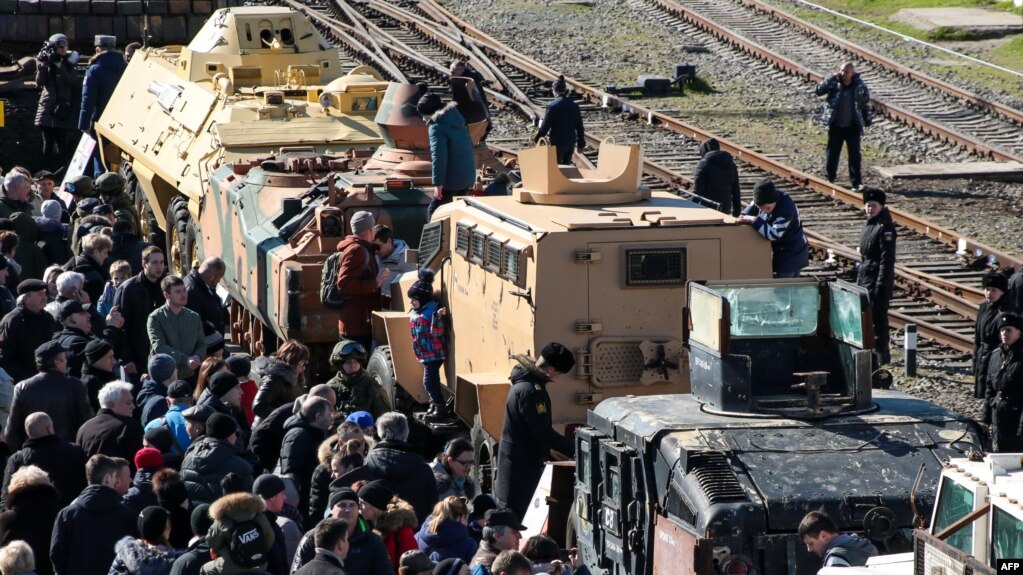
(154, 234)
(381, 366)
(484, 448)
(181, 239)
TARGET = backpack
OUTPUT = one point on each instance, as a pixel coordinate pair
(330, 295)
(247, 547)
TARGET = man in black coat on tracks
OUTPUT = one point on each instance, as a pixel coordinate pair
(563, 122)
(846, 115)
(1004, 391)
(877, 268)
(528, 436)
(986, 337)
(717, 178)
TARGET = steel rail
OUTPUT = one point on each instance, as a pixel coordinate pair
(888, 64)
(777, 60)
(762, 161)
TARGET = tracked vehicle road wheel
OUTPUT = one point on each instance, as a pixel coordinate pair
(181, 245)
(381, 367)
(485, 449)
(151, 231)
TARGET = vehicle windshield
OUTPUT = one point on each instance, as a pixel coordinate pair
(954, 502)
(1006, 536)
(760, 311)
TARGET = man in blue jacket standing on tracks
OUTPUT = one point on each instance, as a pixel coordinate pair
(451, 150)
(774, 215)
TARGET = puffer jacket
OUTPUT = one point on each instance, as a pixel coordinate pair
(56, 77)
(134, 557)
(446, 484)
(207, 463)
(397, 529)
(298, 455)
(451, 150)
(405, 473)
(832, 87)
(278, 385)
(227, 513)
(451, 541)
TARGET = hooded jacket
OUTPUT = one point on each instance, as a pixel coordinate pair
(451, 150)
(405, 473)
(717, 178)
(28, 516)
(397, 528)
(134, 557)
(278, 385)
(85, 532)
(209, 461)
(451, 541)
(848, 550)
(151, 401)
(101, 78)
(227, 513)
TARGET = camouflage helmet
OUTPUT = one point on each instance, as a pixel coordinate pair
(110, 183)
(347, 349)
(80, 186)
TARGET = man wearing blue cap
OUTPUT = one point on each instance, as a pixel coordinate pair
(51, 391)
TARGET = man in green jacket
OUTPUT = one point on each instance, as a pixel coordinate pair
(176, 330)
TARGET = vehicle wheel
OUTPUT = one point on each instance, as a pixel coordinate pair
(180, 237)
(381, 367)
(571, 533)
(485, 449)
(151, 231)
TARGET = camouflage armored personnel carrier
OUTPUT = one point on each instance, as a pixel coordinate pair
(781, 420)
(589, 258)
(276, 219)
(254, 82)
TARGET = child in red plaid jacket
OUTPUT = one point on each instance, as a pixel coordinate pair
(427, 323)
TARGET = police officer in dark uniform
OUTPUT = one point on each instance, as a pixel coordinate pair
(527, 437)
(985, 335)
(1005, 386)
(564, 122)
(877, 269)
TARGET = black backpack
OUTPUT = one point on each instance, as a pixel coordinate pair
(247, 547)
(330, 296)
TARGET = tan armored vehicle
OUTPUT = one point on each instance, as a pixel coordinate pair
(588, 258)
(254, 82)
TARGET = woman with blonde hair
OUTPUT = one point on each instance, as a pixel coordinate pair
(16, 558)
(30, 509)
(445, 534)
(281, 377)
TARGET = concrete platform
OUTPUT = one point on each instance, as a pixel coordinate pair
(975, 21)
(1002, 171)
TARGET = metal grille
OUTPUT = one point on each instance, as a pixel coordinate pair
(650, 267)
(617, 363)
(462, 239)
(715, 476)
(477, 245)
(510, 269)
(679, 506)
(430, 242)
(494, 255)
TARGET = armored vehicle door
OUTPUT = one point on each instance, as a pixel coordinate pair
(622, 520)
(588, 486)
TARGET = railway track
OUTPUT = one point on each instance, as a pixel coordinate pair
(935, 107)
(937, 287)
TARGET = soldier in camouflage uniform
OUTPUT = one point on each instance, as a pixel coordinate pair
(356, 390)
(111, 190)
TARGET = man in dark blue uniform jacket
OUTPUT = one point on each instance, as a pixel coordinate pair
(774, 215)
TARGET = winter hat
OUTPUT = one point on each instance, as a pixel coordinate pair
(376, 494)
(268, 485)
(160, 438)
(51, 210)
(96, 349)
(995, 280)
(29, 286)
(362, 222)
(70, 308)
(104, 41)
(558, 357)
(429, 104)
(481, 504)
(198, 413)
(85, 207)
(560, 85)
(343, 494)
(240, 365)
(220, 426)
(221, 383)
(873, 195)
(214, 342)
(148, 458)
(201, 520)
(123, 227)
(161, 367)
(1010, 319)
(180, 389)
(152, 523)
(49, 350)
(422, 290)
(764, 192)
(363, 419)
(416, 561)
(103, 210)
(450, 566)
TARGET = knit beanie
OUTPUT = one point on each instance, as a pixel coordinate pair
(422, 290)
(148, 458)
(362, 222)
(240, 365)
(343, 494)
(267, 485)
(764, 192)
(51, 210)
(201, 520)
(161, 367)
(152, 523)
(96, 349)
(221, 383)
(159, 438)
(376, 494)
(221, 426)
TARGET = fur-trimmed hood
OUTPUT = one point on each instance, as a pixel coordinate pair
(237, 506)
(445, 114)
(38, 490)
(399, 514)
(136, 558)
(326, 449)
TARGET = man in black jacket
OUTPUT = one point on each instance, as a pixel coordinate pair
(528, 436)
(86, 531)
(986, 336)
(198, 554)
(367, 554)
(64, 462)
(303, 434)
(717, 178)
(268, 433)
(127, 246)
(201, 285)
(846, 115)
(331, 539)
(25, 329)
(563, 122)
(877, 270)
(113, 432)
(136, 298)
(1004, 392)
(403, 470)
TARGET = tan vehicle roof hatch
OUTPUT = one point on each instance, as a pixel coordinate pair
(615, 180)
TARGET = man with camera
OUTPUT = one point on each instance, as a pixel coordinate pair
(55, 74)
